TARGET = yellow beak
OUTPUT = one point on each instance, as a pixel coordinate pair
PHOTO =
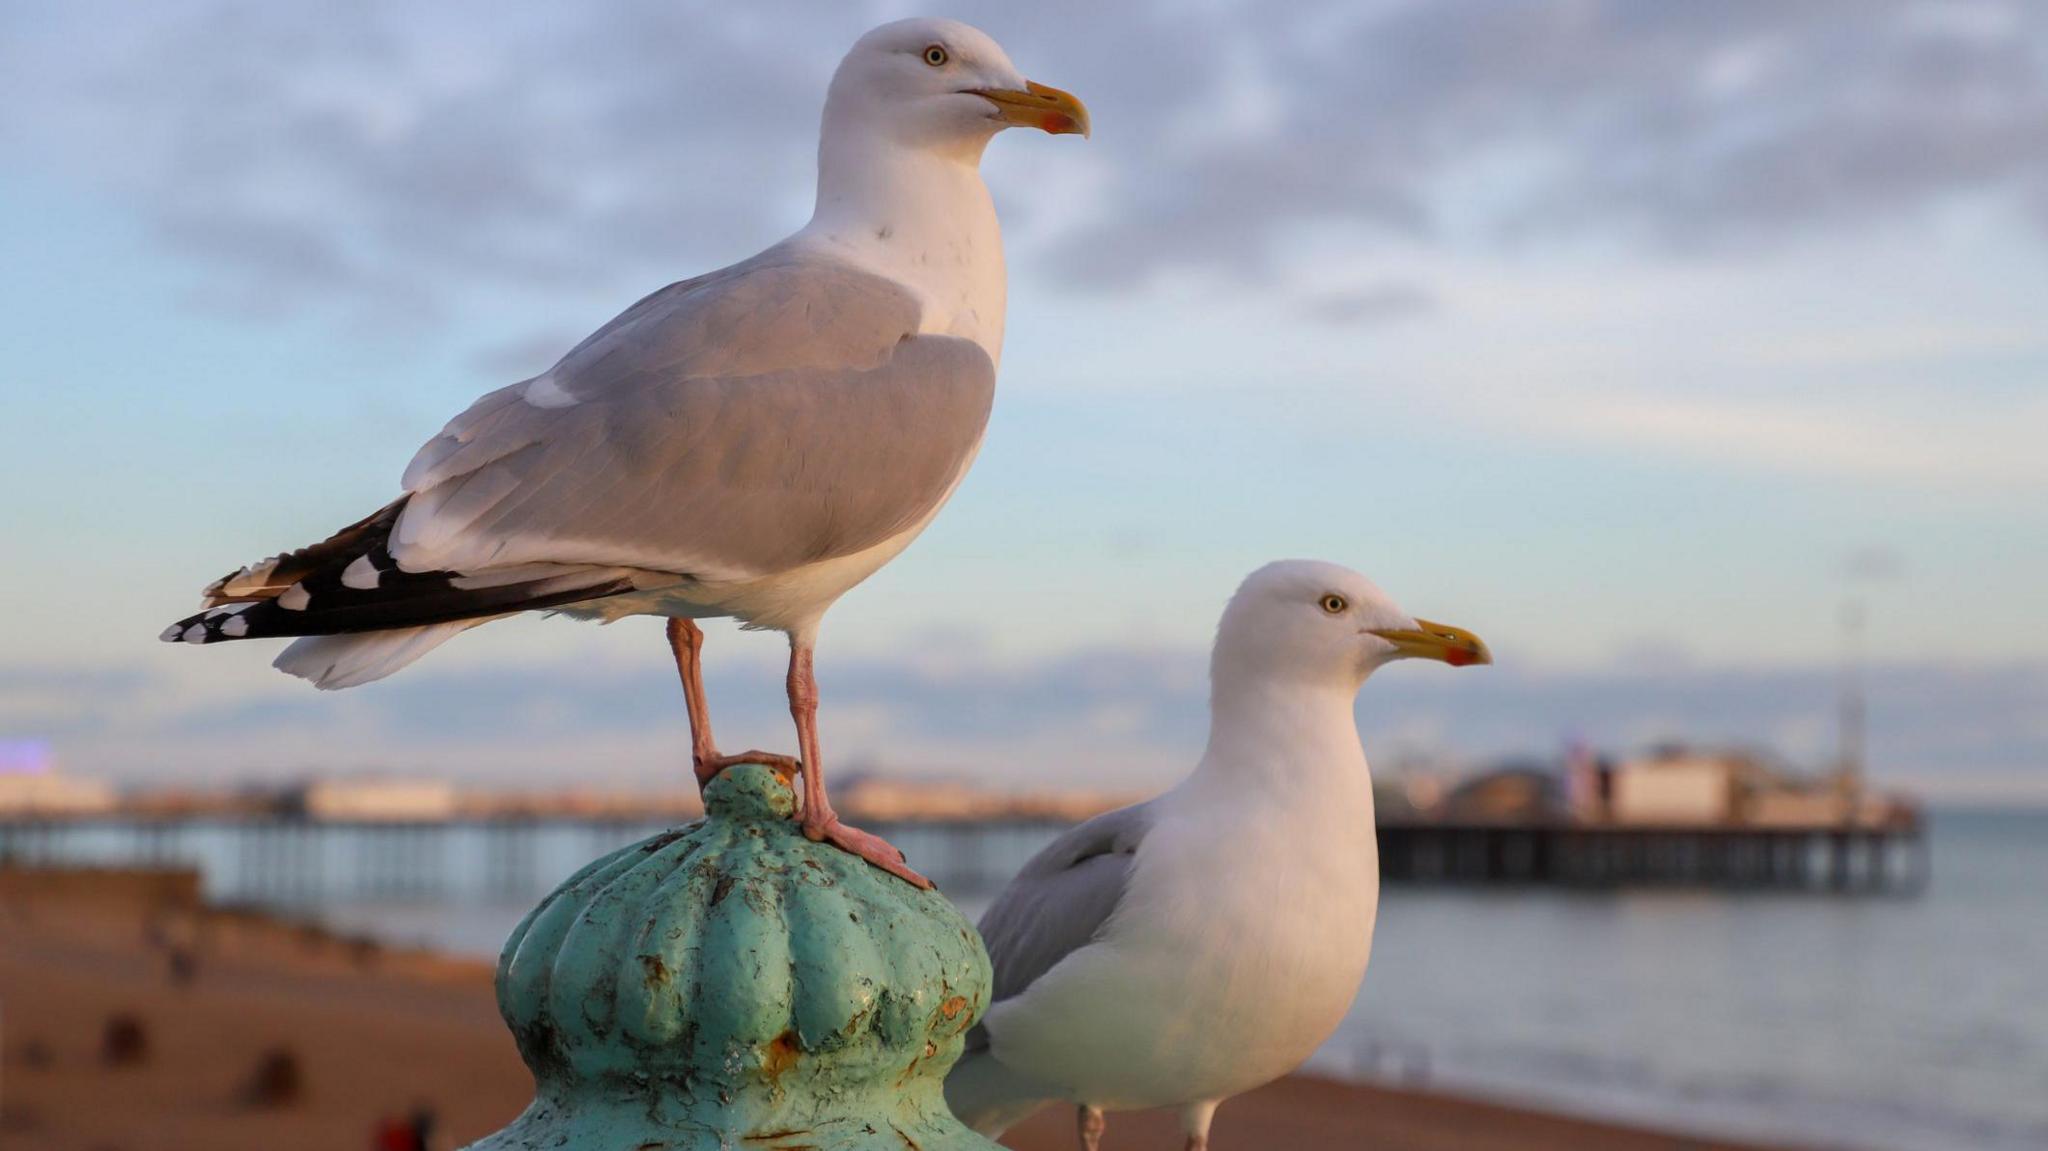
(1438, 641)
(1038, 106)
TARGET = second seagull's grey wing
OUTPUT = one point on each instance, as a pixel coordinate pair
(1060, 900)
(778, 413)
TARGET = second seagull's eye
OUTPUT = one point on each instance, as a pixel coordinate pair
(1334, 604)
(935, 56)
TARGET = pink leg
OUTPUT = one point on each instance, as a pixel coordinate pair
(1089, 1125)
(1195, 1121)
(686, 640)
(820, 822)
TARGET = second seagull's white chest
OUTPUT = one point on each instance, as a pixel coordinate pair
(1235, 952)
(1305, 898)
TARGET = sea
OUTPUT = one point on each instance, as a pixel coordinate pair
(1880, 1023)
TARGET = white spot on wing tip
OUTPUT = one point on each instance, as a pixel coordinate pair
(237, 627)
(295, 598)
(196, 633)
(543, 392)
(360, 574)
(171, 634)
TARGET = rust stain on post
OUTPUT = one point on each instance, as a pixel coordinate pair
(781, 1054)
(657, 971)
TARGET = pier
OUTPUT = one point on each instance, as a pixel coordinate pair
(1888, 858)
(273, 858)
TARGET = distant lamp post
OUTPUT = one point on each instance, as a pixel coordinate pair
(1860, 568)
(1853, 708)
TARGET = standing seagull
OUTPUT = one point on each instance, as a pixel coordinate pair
(1193, 947)
(750, 443)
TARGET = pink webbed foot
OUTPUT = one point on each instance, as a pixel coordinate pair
(870, 847)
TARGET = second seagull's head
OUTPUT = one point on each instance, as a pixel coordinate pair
(943, 85)
(1323, 624)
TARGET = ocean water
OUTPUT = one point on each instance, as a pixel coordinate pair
(1884, 1023)
(1913, 1024)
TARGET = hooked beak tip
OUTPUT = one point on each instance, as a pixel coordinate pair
(1039, 106)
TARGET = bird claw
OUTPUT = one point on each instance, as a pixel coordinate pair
(866, 845)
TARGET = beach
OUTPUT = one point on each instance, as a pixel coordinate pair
(371, 1032)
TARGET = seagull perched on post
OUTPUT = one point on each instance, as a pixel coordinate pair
(1195, 946)
(750, 443)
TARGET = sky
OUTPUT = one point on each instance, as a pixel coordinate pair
(1634, 337)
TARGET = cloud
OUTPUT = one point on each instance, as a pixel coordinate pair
(526, 357)
(1103, 717)
(1698, 126)
(1372, 304)
(383, 152)
(388, 155)
(1875, 346)
(1873, 564)
(1990, 447)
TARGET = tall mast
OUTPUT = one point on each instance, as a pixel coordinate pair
(1853, 709)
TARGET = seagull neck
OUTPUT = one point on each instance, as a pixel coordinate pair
(920, 216)
(869, 184)
(1293, 735)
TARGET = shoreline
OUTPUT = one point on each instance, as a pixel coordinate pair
(370, 1032)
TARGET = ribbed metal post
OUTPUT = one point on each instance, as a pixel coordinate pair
(734, 985)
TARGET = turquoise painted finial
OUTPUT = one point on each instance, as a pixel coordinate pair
(733, 985)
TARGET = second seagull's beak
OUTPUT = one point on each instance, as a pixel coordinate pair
(1038, 106)
(1438, 641)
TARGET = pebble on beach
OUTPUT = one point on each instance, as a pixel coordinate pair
(124, 1041)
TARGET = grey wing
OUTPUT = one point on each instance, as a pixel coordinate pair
(1060, 900)
(778, 413)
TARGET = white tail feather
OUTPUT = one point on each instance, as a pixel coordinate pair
(337, 661)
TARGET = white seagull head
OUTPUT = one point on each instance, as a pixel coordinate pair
(944, 85)
(1321, 623)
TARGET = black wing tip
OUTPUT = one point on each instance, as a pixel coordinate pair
(213, 625)
(333, 608)
(350, 583)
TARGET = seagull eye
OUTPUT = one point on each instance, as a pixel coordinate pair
(936, 56)
(1335, 604)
